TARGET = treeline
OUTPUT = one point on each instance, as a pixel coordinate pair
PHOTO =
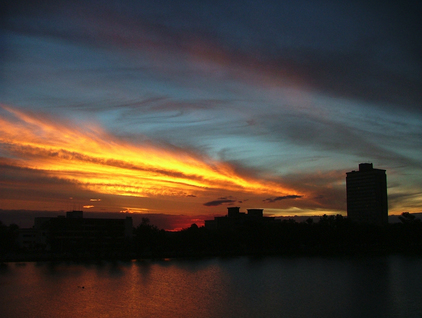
(330, 235)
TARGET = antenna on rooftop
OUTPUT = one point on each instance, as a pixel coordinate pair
(73, 206)
(70, 207)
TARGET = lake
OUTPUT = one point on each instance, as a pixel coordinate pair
(383, 286)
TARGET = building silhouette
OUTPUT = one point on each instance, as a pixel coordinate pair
(75, 233)
(367, 195)
(235, 218)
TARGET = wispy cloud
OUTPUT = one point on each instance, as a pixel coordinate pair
(219, 202)
(137, 100)
(102, 163)
(359, 58)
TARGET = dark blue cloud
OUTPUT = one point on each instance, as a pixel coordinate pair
(349, 49)
(218, 202)
(285, 197)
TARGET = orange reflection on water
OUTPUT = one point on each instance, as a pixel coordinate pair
(100, 162)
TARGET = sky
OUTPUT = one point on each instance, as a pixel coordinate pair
(184, 108)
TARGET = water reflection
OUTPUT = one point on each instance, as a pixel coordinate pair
(237, 287)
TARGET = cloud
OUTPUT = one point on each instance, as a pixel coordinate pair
(219, 202)
(100, 162)
(251, 99)
(360, 58)
(285, 197)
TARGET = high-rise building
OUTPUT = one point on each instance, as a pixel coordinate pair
(367, 195)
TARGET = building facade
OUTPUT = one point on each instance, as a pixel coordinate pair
(74, 233)
(235, 219)
(367, 195)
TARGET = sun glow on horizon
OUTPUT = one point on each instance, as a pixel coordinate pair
(100, 162)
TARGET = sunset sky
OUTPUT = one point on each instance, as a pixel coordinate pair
(183, 108)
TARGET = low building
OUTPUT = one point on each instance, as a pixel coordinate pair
(235, 218)
(74, 233)
(27, 239)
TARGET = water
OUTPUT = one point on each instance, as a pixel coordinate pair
(237, 287)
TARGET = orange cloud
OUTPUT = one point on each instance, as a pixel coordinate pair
(97, 161)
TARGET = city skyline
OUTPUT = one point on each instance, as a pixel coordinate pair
(184, 109)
